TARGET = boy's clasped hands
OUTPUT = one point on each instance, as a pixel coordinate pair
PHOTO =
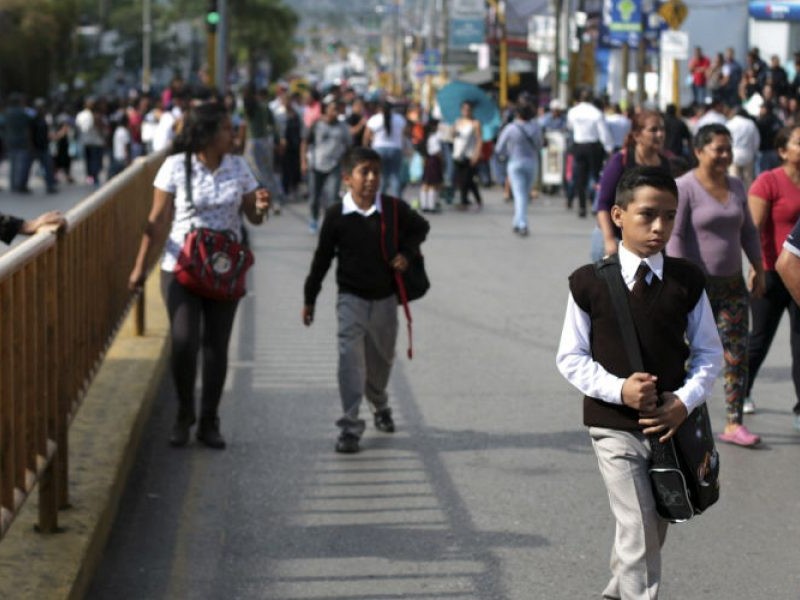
(639, 392)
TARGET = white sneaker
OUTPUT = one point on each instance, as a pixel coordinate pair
(749, 406)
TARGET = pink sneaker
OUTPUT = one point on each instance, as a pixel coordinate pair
(740, 436)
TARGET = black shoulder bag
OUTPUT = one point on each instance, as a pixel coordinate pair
(684, 471)
(413, 283)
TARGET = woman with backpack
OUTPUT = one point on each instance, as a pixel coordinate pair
(521, 142)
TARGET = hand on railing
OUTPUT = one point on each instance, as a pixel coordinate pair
(52, 221)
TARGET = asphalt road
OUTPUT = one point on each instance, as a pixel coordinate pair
(28, 206)
(488, 490)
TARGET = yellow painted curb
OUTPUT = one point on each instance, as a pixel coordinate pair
(103, 439)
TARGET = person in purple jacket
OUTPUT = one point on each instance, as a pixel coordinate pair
(712, 227)
(644, 146)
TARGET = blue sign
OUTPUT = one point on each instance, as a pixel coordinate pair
(431, 60)
(622, 18)
(624, 22)
(775, 11)
(465, 32)
(427, 63)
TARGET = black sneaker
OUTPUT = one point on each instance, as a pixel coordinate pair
(383, 421)
(347, 444)
(180, 430)
(208, 433)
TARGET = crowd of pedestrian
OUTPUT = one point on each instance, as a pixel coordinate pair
(678, 196)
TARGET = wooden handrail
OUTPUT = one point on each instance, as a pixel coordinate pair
(63, 297)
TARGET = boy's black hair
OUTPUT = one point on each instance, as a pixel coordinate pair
(356, 155)
(654, 177)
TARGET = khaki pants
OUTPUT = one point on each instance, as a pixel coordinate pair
(623, 458)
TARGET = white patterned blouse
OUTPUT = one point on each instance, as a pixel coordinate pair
(217, 197)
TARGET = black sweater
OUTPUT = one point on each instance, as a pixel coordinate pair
(355, 240)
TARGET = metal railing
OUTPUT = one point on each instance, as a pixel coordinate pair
(63, 298)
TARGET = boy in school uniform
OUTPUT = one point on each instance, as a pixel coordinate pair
(674, 323)
(366, 305)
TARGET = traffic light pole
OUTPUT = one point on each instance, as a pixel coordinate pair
(212, 19)
(221, 63)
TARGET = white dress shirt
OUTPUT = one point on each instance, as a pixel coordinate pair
(588, 125)
(575, 362)
(349, 206)
(745, 140)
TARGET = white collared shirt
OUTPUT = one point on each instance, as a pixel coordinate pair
(574, 359)
(588, 125)
(349, 206)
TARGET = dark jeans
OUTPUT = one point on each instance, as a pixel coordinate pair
(20, 163)
(767, 312)
(94, 162)
(699, 93)
(587, 161)
(46, 162)
(197, 322)
(324, 190)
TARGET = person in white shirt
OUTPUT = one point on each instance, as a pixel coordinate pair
(591, 141)
(675, 324)
(120, 146)
(618, 125)
(168, 122)
(385, 133)
(715, 113)
(89, 124)
(745, 140)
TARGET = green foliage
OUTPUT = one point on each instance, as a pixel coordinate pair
(263, 30)
(40, 44)
(35, 43)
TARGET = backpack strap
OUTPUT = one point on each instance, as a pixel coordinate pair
(389, 247)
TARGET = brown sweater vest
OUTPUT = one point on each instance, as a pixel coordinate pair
(660, 319)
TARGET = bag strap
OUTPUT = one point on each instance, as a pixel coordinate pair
(400, 284)
(188, 169)
(662, 454)
(610, 270)
(529, 138)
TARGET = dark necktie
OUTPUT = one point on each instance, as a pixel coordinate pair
(640, 281)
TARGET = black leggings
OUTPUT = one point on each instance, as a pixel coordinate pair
(465, 180)
(196, 321)
(767, 312)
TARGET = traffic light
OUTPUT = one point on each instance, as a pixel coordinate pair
(212, 16)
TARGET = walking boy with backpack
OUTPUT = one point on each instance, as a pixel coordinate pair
(366, 307)
(674, 323)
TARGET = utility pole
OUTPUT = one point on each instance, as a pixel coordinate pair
(563, 51)
(499, 7)
(397, 53)
(147, 30)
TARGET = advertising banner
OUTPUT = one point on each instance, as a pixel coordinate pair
(775, 11)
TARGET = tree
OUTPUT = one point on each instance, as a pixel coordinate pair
(36, 43)
(263, 30)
